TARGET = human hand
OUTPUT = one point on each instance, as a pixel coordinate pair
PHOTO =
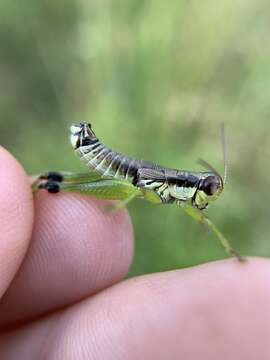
(65, 297)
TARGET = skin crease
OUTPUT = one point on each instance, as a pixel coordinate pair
(68, 299)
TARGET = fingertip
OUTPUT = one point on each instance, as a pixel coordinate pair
(86, 227)
(16, 216)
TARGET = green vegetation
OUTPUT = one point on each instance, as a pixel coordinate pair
(155, 79)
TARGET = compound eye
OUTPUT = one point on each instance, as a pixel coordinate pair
(211, 185)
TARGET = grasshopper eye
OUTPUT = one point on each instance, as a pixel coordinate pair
(211, 185)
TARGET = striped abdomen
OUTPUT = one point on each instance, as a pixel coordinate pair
(100, 158)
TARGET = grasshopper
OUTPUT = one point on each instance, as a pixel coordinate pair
(115, 176)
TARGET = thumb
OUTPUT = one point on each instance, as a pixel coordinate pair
(16, 217)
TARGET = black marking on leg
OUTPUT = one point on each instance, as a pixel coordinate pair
(52, 176)
(52, 187)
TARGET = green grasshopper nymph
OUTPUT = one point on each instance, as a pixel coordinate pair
(115, 176)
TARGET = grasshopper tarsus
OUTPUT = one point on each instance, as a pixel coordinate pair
(237, 256)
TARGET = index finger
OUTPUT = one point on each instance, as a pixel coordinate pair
(77, 249)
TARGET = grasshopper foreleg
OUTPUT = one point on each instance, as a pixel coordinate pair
(200, 217)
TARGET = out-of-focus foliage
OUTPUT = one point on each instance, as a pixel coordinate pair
(155, 78)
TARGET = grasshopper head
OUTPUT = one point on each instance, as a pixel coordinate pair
(209, 190)
(81, 135)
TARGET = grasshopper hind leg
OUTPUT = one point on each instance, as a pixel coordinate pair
(49, 180)
(88, 184)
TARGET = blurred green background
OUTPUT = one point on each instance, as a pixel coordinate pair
(155, 79)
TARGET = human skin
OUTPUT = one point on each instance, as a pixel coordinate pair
(62, 264)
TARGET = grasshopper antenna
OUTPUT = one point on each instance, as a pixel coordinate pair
(208, 166)
(224, 153)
